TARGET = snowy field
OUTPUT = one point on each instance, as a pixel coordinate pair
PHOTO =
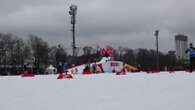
(139, 91)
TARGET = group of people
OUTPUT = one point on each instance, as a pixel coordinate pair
(92, 68)
(191, 51)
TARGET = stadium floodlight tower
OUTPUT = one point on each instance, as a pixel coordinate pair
(156, 34)
(73, 12)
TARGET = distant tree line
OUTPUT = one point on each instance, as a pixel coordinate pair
(16, 53)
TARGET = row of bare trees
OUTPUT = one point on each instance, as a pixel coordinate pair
(16, 52)
(35, 52)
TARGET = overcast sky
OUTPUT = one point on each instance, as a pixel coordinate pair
(129, 23)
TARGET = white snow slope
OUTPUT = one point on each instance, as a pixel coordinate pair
(137, 91)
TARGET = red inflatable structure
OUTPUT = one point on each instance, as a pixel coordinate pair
(153, 72)
(122, 72)
(65, 76)
(27, 75)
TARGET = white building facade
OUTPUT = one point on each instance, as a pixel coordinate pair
(181, 44)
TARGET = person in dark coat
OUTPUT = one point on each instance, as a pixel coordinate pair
(191, 51)
(60, 67)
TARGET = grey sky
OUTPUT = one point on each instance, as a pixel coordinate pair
(129, 23)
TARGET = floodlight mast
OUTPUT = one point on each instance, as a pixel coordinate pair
(73, 12)
(157, 50)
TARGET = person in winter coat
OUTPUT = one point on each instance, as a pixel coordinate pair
(191, 51)
(60, 67)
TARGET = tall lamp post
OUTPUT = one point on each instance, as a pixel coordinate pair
(157, 50)
(73, 12)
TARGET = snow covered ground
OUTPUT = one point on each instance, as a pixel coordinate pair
(139, 91)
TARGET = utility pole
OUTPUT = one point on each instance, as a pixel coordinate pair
(73, 12)
(157, 50)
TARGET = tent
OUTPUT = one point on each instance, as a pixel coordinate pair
(130, 68)
(51, 69)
